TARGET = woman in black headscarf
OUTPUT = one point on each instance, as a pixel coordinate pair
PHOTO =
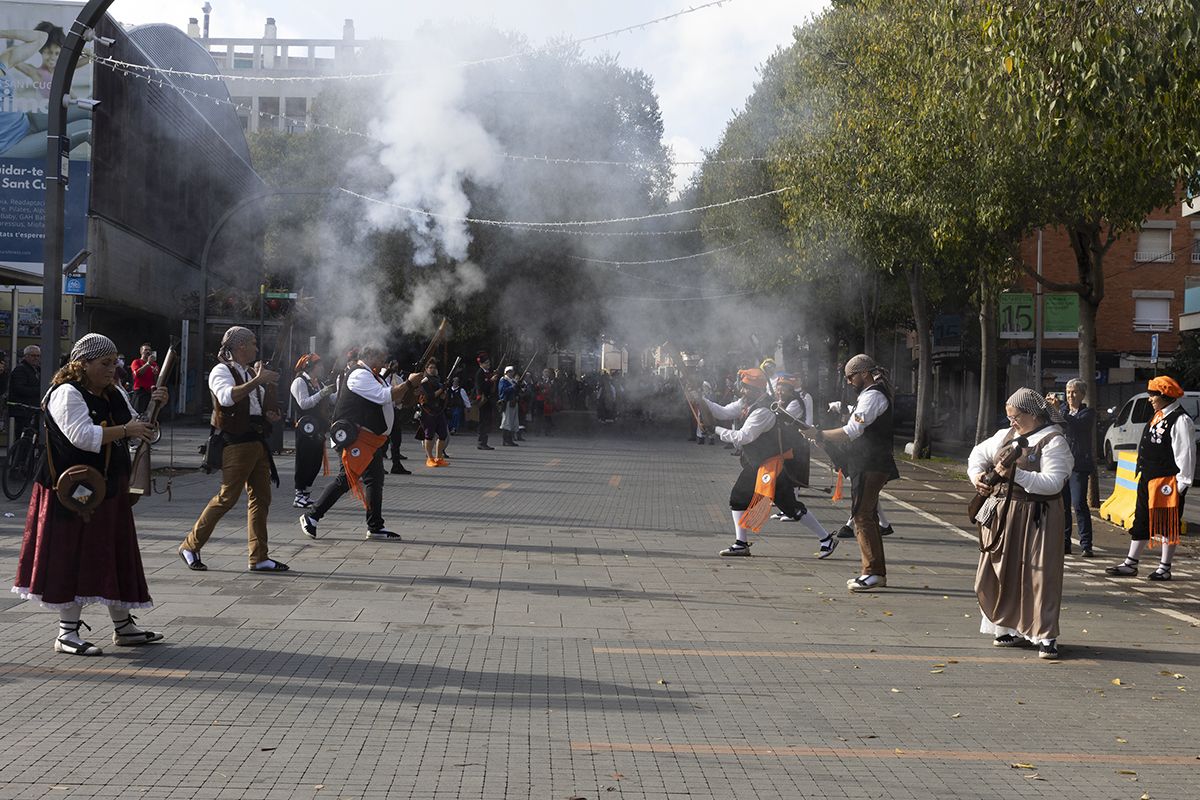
(72, 557)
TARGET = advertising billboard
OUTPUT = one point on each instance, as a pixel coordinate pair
(31, 37)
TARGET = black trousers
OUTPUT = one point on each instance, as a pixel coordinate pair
(487, 422)
(308, 460)
(785, 493)
(394, 437)
(372, 480)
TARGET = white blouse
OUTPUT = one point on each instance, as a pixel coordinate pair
(1057, 461)
(70, 413)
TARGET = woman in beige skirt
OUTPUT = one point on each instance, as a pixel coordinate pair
(1019, 580)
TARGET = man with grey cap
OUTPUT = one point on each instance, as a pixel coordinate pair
(244, 408)
(867, 437)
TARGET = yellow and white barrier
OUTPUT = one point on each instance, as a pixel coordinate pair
(1118, 508)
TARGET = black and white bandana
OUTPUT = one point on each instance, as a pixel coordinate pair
(93, 346)
(1029, 401)
(860, 363)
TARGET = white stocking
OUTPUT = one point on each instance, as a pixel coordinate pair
(1136, 548)
(118, 616)
(1168, 552)
(70, 614)
(883, 520)
(814, 525)
(740, 533)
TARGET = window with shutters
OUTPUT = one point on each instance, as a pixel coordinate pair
(1151, 314)
(1154, 245)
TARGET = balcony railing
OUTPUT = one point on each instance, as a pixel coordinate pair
(1196, 256)
(1153, 324)
(1153, 258)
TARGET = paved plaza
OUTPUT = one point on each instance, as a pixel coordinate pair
(556, 624)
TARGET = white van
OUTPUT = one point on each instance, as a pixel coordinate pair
(1126, 430)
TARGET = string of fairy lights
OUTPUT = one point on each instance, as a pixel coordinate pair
(569, 43)
(164, 78)
(290, 122)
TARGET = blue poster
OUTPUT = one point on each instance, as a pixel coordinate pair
(22, 210)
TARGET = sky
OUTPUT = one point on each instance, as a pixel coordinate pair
(704, 64)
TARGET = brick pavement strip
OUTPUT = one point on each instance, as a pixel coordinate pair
(556, 623)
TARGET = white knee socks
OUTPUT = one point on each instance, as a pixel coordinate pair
(814, 525)
(70, 614)
(740, 533)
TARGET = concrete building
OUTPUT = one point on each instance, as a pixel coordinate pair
(266, 104)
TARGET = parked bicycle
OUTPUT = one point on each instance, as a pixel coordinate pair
(25, 454)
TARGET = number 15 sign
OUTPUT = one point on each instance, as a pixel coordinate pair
(1016, 315)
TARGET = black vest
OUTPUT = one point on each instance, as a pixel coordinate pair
(358, 409)
(872, 452)
(109, 410)
(1156, 458)
(767, 444)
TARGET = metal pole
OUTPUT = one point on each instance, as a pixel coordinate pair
(1037, 320)
(57, 160)
(181, 400)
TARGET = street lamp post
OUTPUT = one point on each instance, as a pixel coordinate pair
(57, 160)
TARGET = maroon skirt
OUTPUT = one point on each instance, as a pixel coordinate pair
(65, 560)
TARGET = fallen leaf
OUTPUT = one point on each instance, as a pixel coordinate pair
(938, 666)
(661, 682)
(888, 614)
(1116, 682)
(1177, 676)
(1033, 776)
(1126, 772)
(1019, 765)
(896, 691)
(265, 749)
(936, 671)
(1122, 741)
(318, 786)
(1145, 796)
(1020, 702)
(951, 661)
(898, 751)
(955, 716)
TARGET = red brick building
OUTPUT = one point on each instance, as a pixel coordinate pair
(1146, 275)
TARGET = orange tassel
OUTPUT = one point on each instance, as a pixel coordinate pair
(837, 488)
(325, 459)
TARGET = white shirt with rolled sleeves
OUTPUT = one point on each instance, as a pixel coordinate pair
(220, 383)
(802, 412)
(364, 384)
(1056, 465)
(303, 394)
(70, 413)
(868, 408)
(1183, 446)
(757, 422)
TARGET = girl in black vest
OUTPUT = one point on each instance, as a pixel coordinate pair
(68, 562)
(1165, 465)
(313, 405)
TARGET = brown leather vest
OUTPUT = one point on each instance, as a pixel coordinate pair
(235, 420)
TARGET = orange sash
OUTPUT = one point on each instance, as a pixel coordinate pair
(759, 510)
(357, 457)
(1162, 495)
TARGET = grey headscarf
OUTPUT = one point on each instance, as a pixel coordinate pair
(234, 337)
(1029, 401)
(91, 347)
(860, 363)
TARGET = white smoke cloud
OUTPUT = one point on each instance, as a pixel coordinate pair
(459, 283)
(432, 145)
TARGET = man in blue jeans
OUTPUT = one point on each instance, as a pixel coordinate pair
(1080, 430)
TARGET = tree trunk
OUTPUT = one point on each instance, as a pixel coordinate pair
(1089, 260)
(988, 351)
(925, 361)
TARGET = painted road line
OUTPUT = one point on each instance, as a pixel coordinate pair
(1179, 615)
(902, 753)
(702, 652)
(891, 498)
(500, 487)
